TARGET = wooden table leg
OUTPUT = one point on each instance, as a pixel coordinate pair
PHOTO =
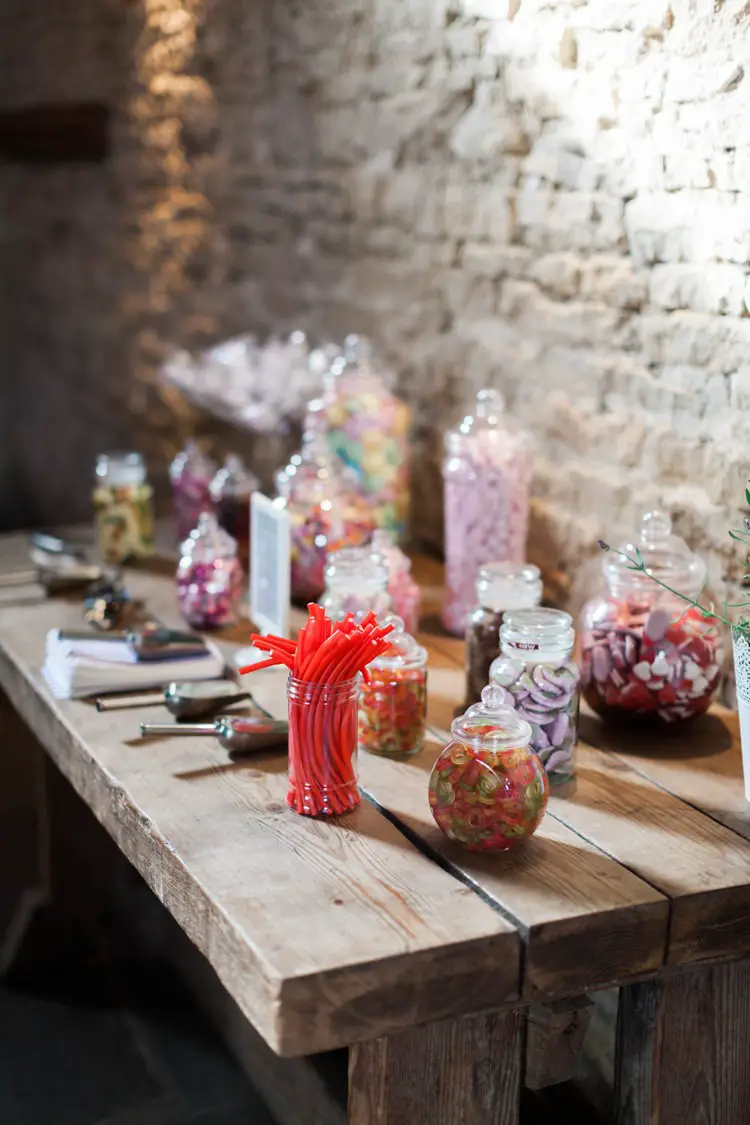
(683, 1053)
(461, 1072)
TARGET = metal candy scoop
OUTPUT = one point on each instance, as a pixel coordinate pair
(196, 700)
(240, 734)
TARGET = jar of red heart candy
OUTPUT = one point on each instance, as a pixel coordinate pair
(209, 576)
(486, 472)
(393, 697)
(488, 789)
(541, 682)
(646, 655)
(500, 587)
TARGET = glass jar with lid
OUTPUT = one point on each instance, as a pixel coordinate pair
(190, 475)
(367, 426)
(356, 581)
(326, 513)
(542, 683)
(646, 656)
(500, 586)
(123, 502)
(488, 789)
(393, 698)
(209, 576)
(231, 490)
(405, 594)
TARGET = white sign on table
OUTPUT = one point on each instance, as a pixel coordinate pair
(270, 545)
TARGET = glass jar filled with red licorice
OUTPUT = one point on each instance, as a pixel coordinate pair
(488, 789)
(393, 697)
(645, 655)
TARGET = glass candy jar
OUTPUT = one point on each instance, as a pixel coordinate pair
(123, 502)
(405, 594)
(500, 587)
(486, 472)
(190, 475)
(393, 698)
(646, 655)
(231, 490)
(356, 581)
(209, 576)
(488, 789)
(368, 428)
(326, 514)
(542, 683)
(322, 747)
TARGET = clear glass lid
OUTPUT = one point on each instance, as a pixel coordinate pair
(492, 723)
(404, 651)
(233, 479)
(207, 541)
(356, 570)
(315, 474)
(505, 585)
(661, 554)
(485, 425)
(536, 631)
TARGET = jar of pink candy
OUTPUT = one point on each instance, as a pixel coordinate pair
(190, 475)
(209, 576)
(486, 471)
(405, 595)
(647, 657)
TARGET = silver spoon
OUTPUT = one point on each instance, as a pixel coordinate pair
(239, 734)
(197, 700)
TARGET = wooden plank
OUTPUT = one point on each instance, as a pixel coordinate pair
(682, 1056)
(465, 1071)
(323, 934)
(554, 1040)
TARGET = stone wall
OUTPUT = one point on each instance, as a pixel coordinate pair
(549, 196)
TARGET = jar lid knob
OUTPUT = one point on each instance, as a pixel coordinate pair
(494, 699)
(656, 527)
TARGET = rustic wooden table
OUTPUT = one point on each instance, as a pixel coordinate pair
(376, 934)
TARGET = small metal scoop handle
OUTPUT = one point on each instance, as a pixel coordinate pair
(178, 728)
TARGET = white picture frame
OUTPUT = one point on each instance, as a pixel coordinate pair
(270, 565)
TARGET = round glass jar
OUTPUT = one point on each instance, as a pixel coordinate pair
(231, 490)
(405, 594)
(326, 514)
(500, 587)
(356, 581)
(486, 473)
(190, 476)
(123, 502)
(209, 576)
(646, 656)
(542, 683)
(393, 698)
(488, 789)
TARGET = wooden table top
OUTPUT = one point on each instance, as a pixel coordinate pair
(328, 934)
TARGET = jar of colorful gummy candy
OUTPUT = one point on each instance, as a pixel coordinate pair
(190, 475)
(542, 683)
(486, 472)
(326, 513)
(405, 594)
(488, 789)
(393, 697)
(231, 490)
(123, 501)
(209, 576)
(645, 655)
(368, 426)
(356, 582)
(500, 587)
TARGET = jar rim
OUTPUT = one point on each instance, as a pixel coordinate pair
(309, 691)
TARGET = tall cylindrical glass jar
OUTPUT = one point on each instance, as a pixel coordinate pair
(500, 587)
(646, 656)
(356, 582)
(123, 501)
(486, 472)
(190, 475)
(542, 683)
(231, 490)
(393, 698)
(322, 747)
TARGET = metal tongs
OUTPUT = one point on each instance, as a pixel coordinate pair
(240, 734)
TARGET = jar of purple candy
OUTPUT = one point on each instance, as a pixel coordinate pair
(542, 683)
(209, 576)
(500, 587)
(486, 472)
(190, 475)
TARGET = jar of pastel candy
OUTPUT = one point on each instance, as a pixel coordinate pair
(190, 475)
(209, 576)
(124, 506)
(500, 587)
(405, 594)
(486, 472)
(326, 513)
(356, 581)
(368, 427)
(231, 490)
(393, 698)
(645, 655)
(541, 682)
(488, 789)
